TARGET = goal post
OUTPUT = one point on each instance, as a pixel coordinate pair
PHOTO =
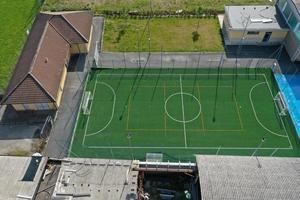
(281, 104)
(85, 103)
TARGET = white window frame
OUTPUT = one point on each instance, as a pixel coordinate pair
(296, 27)
(284, 6)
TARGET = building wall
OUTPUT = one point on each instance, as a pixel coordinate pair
(235, 37)
(81, 48)
(74, 49)
(45, 106)
(90, 39)
(61, 86)
(292, 41)
(34, 107)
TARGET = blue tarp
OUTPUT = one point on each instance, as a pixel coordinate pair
(289, 85)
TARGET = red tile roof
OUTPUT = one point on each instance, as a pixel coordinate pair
(39, 69)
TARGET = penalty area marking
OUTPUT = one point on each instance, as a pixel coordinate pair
(255, 114)
(118, 147)
(112, 112)
(266, 80)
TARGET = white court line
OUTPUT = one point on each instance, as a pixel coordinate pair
(177, 120)
(112, 112)
(183, 116)
(213, 148)
(87, 122)
(255, 114)
(237, 148)
(147, 74)
(277, 110)
(78, 114)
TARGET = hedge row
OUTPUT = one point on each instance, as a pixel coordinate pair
(133, 13)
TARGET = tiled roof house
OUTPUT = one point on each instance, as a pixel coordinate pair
(38, 80)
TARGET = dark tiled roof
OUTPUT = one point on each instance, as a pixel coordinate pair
(30, 48)
(50, 61)
(66, 30)
(28, 89)
(44, 55)
(81, 21)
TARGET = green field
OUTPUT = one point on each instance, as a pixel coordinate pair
(181, 113)
(158, 6)
(168, 34)
(16, 17)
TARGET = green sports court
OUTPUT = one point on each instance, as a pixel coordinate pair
(127, 113)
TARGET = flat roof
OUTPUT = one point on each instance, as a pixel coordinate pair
(237, 177)
(255, 17)
(96, 179)
(14, 171)
(297, 4)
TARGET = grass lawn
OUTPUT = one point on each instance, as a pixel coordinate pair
(170, 34)
(15, 17)
(173, 111)
(101, 6)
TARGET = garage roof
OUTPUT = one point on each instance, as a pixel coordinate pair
(254, 18)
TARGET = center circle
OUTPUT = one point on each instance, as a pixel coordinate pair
(182, 102)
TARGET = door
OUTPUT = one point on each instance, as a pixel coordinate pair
(267, 36)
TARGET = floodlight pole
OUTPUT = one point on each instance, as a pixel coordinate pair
(272, 154)
(129, 141)
(158, 77)
(219, 149)
(124, 58)
(185, 66)
(238, 53)
(260, 144)
(217, 87)
(195, 79)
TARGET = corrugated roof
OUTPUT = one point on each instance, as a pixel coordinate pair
(45, 53)
(256, 178)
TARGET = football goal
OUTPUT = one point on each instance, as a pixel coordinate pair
(281, 104)
(85, 103)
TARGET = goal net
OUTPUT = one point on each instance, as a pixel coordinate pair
(85, 103)
(281, 104)
(154, 157)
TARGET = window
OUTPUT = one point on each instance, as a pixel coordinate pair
(253, 33)
(27, 107)
(42, 106)
(293, 21)
(281, 4)
(287, 11)
(297, 32)
(267, 36)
